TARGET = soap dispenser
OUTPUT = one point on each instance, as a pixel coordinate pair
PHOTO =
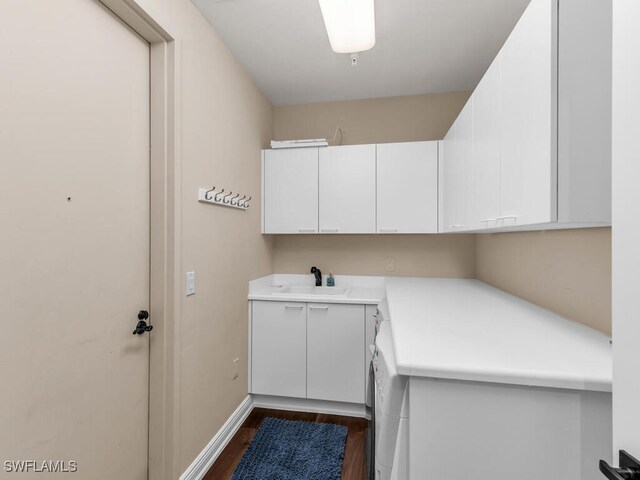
(331, 282)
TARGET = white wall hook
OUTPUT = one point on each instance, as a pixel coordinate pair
(229, 199)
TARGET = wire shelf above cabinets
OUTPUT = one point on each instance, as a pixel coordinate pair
(223, 198)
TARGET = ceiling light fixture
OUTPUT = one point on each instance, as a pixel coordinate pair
(350, 24)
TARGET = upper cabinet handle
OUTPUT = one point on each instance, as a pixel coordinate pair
(294, 307)
(329, 230)
(307, 230)
(504, 217)
(489, 220)
(387, 230)
(315, 307)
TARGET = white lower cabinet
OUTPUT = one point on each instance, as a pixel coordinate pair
(279, 349)
(309, 350)
(335, 352)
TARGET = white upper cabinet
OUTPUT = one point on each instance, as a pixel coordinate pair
(486, 150)
(407, 187)
(528, 70)
(347, 189)
(290, 189)
(456, 173)
(446, 180)
(539, 140)
(584, 110)
(464, 169)
(389, 188)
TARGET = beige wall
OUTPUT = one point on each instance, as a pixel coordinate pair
(378, 120)
(566, 271)
(413, 255)
(224, 122)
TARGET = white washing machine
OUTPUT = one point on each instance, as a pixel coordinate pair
(382, 315)
(390, 412)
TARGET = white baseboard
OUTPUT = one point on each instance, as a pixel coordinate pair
(201, 465)
(309, 405)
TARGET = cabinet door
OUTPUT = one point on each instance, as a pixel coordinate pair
(278, 349)
(348, 189)
(456, 176)
(407, 187)
(447, 180)
(486, 149)
(291, 190)
(335, 352)
(528, 85)
(464, 169)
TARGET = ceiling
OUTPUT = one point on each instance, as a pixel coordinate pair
(422, 46)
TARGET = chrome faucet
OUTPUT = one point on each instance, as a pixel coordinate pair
(316, 271)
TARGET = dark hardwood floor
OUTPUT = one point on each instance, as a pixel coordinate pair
(353, 465)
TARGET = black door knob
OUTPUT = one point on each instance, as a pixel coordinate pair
(142, 326)
(629, 468)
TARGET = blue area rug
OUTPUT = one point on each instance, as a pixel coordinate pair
(287, 450)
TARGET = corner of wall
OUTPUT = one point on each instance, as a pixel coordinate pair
(565, 271)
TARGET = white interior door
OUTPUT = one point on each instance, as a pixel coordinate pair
(74, 248)
(626, 227)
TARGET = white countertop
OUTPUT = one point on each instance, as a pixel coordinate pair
(360, 290)
(467, 330)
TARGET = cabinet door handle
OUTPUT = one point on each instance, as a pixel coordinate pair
(329, 230)
(313, 307)
(294, 307)
(387, 230)
(455, 226)
(489, 220)
(306, 230)
(505, 217)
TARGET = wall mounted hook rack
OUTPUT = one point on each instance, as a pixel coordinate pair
(210, 195)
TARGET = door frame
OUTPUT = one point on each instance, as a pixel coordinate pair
(164, 248)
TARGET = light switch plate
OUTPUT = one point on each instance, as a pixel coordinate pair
(191, 283)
